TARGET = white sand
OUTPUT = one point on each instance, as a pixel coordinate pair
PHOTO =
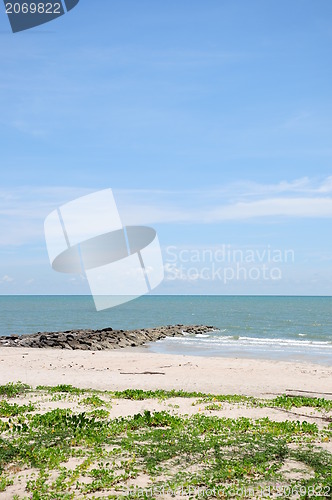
(118, 370)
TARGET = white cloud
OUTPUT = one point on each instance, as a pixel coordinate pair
(303, 185)
(307, 198)
(23, 210)
(6, 279)
(273, 207)
(326, 186)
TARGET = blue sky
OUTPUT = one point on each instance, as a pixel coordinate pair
(211, 121)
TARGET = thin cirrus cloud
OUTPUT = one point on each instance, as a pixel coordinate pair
(241, 201)
(23, 210)
(275, 207)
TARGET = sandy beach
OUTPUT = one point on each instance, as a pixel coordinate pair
(129, 368)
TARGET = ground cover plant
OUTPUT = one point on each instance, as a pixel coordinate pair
(65, 443)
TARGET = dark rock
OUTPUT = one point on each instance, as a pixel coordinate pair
(96, 340)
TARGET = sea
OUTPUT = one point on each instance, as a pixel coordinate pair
(285, 328)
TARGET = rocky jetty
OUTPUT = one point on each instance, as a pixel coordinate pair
(98, 340)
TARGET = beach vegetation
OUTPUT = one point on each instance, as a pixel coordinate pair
(11, 389)
(94, 400)
(10, 410)
(78, 453)
(61, 388)
(288, 402)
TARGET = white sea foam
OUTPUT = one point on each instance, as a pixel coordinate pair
(243, 341)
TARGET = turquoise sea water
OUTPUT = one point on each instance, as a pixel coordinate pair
(289, 328)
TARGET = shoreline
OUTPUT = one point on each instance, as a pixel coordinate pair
(152, 348)
(174, 342)
(131, 368)
(287, 355)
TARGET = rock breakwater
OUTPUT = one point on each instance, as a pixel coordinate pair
(97, 340)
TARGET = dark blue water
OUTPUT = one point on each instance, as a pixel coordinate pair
(294, 328)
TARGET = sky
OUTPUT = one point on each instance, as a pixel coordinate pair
(211, 121)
